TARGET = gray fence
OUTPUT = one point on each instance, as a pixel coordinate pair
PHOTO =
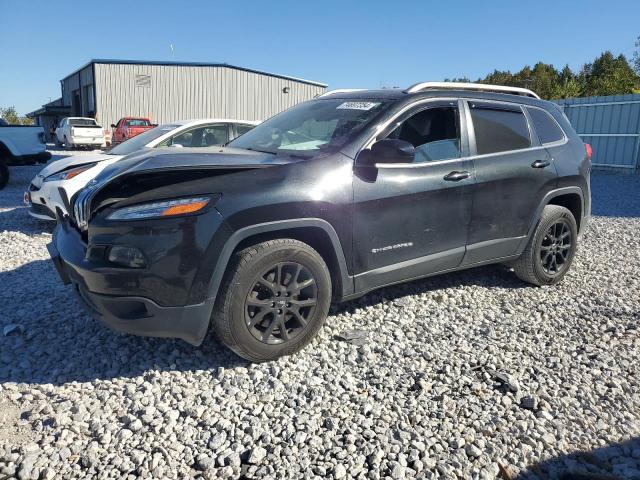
(611, 125)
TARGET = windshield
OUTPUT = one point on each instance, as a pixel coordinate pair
(82, 122)
(138, 122)
(311, 126)
(139, 141)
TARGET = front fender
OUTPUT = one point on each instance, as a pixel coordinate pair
(9, 145)
(234, 239)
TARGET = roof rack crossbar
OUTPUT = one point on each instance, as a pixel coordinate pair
(419, 87)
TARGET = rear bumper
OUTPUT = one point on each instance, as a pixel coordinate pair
(86, 141)
(126, 313)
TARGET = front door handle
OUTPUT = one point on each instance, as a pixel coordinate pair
(456, 176)
(541, 163)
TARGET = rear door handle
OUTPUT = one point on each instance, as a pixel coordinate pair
(541, 163)
(456, 176)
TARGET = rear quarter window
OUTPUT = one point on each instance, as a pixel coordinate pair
(545, 126)
(499, 129)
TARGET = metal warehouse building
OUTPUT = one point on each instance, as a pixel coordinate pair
(166, 91)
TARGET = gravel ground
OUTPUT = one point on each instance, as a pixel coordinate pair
(468, 375)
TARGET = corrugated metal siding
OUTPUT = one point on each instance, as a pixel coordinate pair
(73, 82)
(611, 124)
(185, 92)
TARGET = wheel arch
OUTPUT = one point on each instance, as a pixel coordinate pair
(317, 233)
(572, 201)
(5, 149)
(571, 198)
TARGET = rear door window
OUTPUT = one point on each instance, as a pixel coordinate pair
(243, 128)
(499, 128)
(545, 126)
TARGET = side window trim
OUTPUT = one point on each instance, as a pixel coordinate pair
(466, 130)
(564, 138)
(414, 109)
(509, 106)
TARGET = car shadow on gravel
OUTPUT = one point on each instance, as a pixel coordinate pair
(54, 341)
(618, 461)
(490, 276)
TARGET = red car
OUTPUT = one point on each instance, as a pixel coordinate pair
(129, 127)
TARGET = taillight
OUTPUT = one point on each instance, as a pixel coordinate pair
(589, 150)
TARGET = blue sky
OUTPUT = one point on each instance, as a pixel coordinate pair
(342, 43)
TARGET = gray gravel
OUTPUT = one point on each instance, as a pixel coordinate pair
(460, 376)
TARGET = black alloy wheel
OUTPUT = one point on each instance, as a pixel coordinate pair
(549, 252)
(273, 300)
(556, 247)
(281, 302)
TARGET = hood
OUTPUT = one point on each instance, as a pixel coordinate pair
(192, 158)
(69, 162)
(144, 176)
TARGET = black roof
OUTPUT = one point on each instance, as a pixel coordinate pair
(191, 64)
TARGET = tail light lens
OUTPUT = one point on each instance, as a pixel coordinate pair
(589, 150)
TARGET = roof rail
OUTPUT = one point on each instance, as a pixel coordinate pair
(340, 90)
(481, 87)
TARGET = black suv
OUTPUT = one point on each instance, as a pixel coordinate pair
(322, 203)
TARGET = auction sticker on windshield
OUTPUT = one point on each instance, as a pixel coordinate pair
(357, 105)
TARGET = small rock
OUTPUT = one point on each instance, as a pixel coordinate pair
(507, 380)
(530, 402)
(257, 455)
(339, 472)
(13, 329)
(472, 451)
(205, 463)
(457, 443)
(354, 337)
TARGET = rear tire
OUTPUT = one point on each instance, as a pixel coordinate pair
(4, 174)
(274, 298)
(550, 251)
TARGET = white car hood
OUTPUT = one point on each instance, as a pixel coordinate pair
(73, 161)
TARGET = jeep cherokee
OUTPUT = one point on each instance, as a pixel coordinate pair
(335, 197)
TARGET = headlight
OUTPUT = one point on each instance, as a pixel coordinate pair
(69, 174)
(168, 208)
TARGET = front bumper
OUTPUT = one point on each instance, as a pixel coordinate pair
(126, 313)
(40, 157)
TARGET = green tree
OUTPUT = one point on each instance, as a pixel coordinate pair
(11, 116)
(608, 75)
(568, 85)
(636, 56)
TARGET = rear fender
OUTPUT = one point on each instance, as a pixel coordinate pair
(545, 201)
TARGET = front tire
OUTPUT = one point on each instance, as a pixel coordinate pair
(4, 174)
(274, 298)
(550, 251)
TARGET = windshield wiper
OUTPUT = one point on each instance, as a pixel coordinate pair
(259, 151)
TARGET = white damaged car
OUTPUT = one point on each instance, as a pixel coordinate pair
(51, 190)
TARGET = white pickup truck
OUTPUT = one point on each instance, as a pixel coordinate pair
(73, 132)
(20, 145)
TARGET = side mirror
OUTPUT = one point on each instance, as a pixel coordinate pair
(176, 145)
(113, 125)
(391, 150)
